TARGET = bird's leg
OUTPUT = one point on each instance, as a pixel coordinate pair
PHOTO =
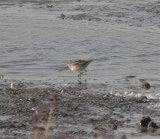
(83, 72)
(79, 75)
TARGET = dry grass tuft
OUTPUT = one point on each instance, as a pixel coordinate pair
(47, 126)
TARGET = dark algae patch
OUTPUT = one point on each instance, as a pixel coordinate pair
(68, 112)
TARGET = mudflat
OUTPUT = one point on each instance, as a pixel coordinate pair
(68, 112)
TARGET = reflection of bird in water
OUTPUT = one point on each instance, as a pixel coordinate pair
(79, 65)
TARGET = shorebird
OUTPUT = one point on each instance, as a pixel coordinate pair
(79, 65)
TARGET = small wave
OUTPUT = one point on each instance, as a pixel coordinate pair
(156, 105)
(137, 95)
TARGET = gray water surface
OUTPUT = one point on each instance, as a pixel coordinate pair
(36, 43)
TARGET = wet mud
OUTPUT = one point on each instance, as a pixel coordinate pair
(139, 13)
(68, 112)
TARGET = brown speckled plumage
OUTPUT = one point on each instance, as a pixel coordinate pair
(78, 65)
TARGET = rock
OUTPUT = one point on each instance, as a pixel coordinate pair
(114, 127)
(146, 125)
(144, 121)
(151, 124)
(124, 137)
(49, 6)
(62, 16)
(145, 85)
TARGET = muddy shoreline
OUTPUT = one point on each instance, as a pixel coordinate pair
(40, 36)
(75, 114)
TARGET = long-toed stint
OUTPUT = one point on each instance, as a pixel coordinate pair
(79, 65)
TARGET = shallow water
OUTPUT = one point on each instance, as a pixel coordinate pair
(36, 43)
(121, 36)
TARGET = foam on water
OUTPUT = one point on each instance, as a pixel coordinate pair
(138, 95)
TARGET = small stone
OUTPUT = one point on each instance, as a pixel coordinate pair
(114, 127)
(62, 16)
(124, 137)
(143, 122)
(152, 124)
(49, 6)
(146, 125)
(11, 86)
(145, 85)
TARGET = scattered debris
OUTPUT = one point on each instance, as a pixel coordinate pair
(49, 6)
(62, 16)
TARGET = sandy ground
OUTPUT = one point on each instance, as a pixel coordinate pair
(25, 113)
